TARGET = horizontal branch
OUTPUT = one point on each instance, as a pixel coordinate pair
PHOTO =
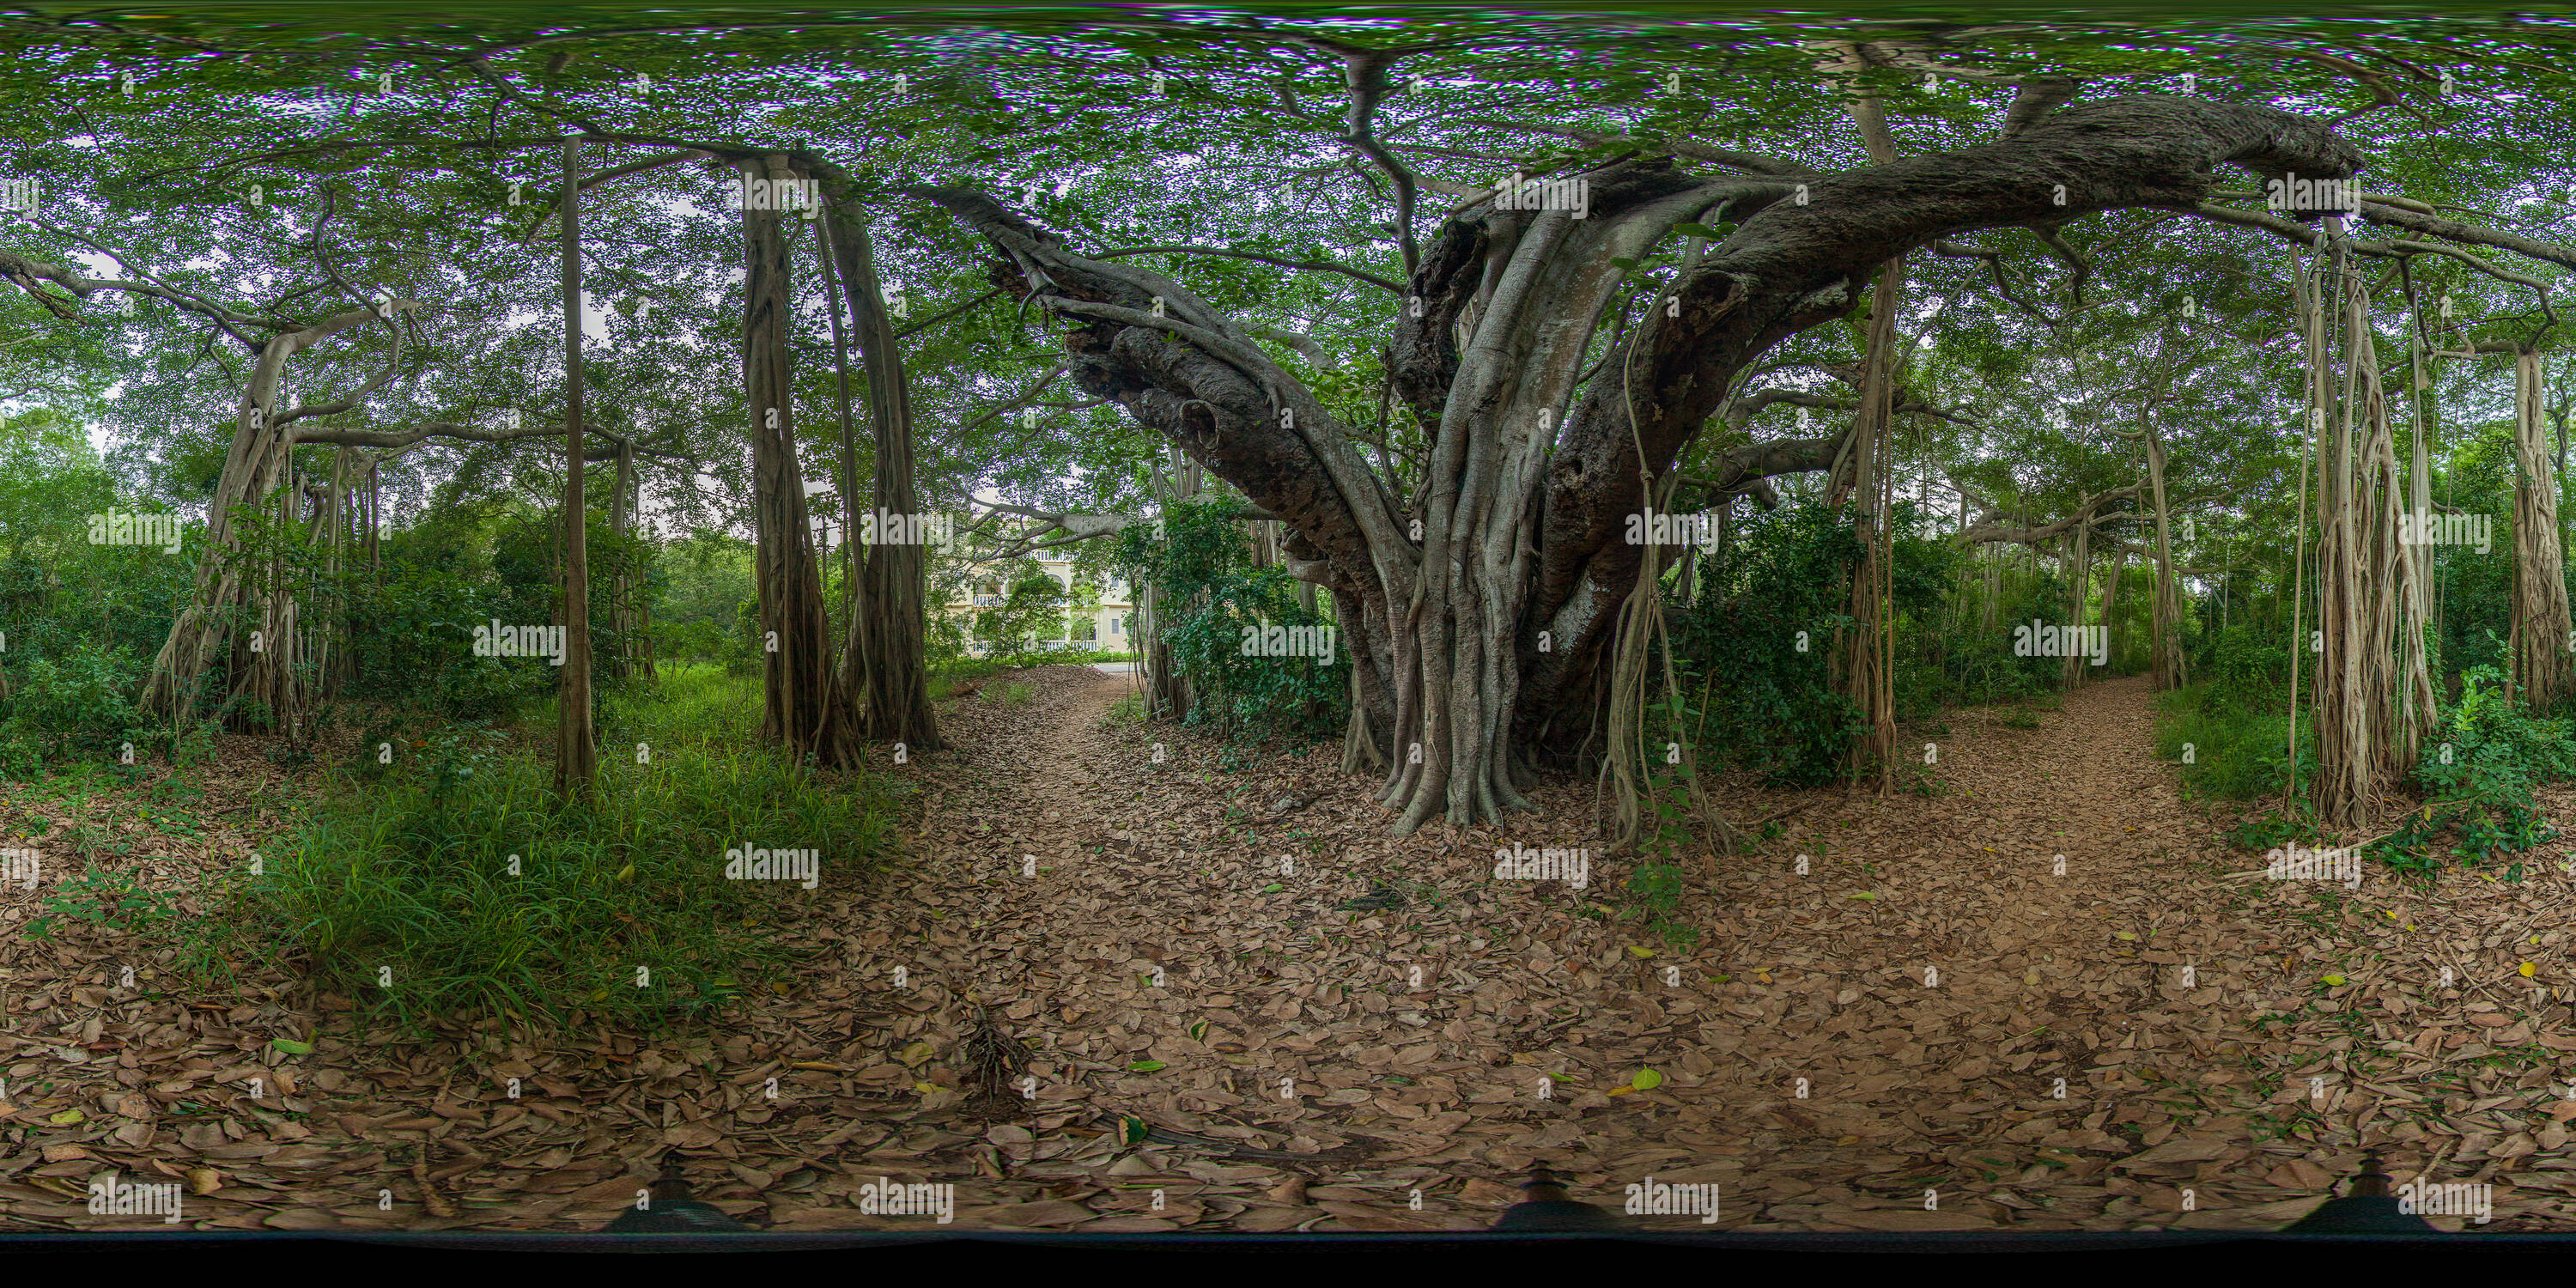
(1315, 265)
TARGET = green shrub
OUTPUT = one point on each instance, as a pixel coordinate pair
(2477, 771)
(1200, 565)
(1761, 635)
(81, 700)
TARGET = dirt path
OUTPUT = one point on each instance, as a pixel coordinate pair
(1377, 1019)
(1931, 979)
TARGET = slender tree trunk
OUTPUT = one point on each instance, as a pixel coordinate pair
(1865, 677)
(806, 707)
(854, 670)
(2079, 588)
(2365, 679)
(2111, 604)
(2171, 669)
(576, 751)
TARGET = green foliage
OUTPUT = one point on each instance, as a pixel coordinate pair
(2247, 668)
(101, 899)
(80, 701)
(1200, 565)
(1761, 633)
(2477, 771)
(1031, 616)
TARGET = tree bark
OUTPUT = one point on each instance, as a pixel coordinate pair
(892, 621)
(2541, 633)
(576, 751)
(1477, 610)
(2165, 659)
(254, 468)
(805, 707)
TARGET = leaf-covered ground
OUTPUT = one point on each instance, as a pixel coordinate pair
(1309, 1044)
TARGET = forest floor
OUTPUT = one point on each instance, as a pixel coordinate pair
(1927, 981)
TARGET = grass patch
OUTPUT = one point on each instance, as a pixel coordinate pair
(2229, 752)
(398, 888)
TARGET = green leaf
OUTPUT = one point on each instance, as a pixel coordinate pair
(1131, 1131)
(1272, 888)
(1864, 894)
(1697, 230)
(291, 1046)
(1646, 1080)
(1146, 1066)
(1625, 264)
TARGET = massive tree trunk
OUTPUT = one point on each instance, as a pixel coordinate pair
(254, 468)
(576, 751)
(891, 624)
(805, 706)
(2541, 633)
(1477, 613)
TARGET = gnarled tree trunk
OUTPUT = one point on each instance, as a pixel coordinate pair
(1476, 614)
(2541, 633)
(891, 624)
(254, 468)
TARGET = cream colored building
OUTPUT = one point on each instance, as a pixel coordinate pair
(1105, 626)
